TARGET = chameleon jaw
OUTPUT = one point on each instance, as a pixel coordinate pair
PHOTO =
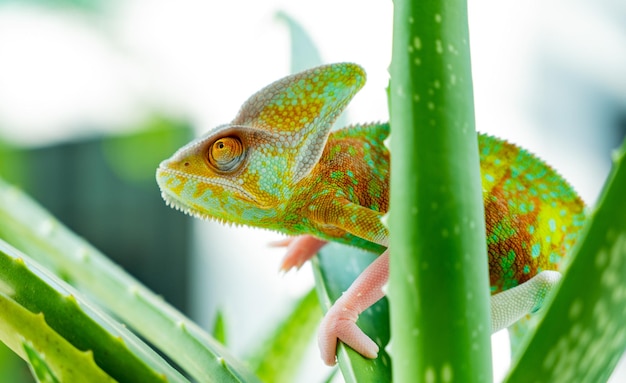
(163, 171)
(176, 204)
(174, 198)
(180, 206)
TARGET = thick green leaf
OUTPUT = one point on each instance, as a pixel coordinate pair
(439, 285)
(22, 330)
(336, 267)
(38, 365)
(583, 333)
(33, 230)
(115, 349)
(280, 358)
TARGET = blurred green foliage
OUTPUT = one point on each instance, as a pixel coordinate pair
(135, 156)
(132, 157)
(12, 368)
(14, 163)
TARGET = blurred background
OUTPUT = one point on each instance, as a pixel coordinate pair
(95, 93)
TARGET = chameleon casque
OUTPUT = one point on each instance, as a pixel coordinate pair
(279, 166)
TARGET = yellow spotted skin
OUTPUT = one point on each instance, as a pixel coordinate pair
(278, 166)
(532, 216)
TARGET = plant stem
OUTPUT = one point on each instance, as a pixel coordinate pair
(438, 290)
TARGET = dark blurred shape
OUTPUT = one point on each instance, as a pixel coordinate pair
(621, 124)
(104, 190)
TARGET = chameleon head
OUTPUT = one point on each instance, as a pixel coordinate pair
(211, 178)
(243, 172)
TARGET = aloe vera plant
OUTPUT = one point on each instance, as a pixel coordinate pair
(35, 232)
(59, 331)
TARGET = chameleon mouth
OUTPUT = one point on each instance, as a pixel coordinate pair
(176, 204)
(174, 200)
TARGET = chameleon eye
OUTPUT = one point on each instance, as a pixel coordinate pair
(226, 154)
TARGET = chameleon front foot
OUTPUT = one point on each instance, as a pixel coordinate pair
(299, 250)
(340, 324)
(340, 320)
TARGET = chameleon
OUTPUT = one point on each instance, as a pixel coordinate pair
(279, 165)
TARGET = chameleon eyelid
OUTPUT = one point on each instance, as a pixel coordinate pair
(232, 153)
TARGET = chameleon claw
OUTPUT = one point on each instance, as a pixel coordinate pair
(299, 250)
(340, 324)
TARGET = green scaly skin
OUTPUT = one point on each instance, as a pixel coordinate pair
(278, 166)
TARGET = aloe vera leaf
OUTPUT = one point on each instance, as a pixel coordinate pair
(219, 328)
(115, 349)
(438, 285)
(33, 230)
(304, 52)
(279, 359)
(39, 366)
(22, 331)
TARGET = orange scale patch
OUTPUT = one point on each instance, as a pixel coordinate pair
(200, 189)
(178, 189)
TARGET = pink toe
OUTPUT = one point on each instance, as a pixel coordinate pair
(299, 250)
(327, 343)
(340, 324)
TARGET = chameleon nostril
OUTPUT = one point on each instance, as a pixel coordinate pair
(186, 164)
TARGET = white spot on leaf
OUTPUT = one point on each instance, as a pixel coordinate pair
(447, 374)
(417, 43)
(439, 46)
(430, 376)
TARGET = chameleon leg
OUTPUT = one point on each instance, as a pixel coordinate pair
(511, 305)
(339, 323)
(340, 320)
(299, 250)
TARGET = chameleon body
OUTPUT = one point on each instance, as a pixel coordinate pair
(279, 166)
